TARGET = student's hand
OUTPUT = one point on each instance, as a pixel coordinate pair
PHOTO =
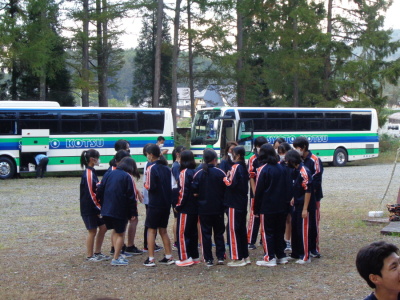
(133, 218)
(228, 173)
(256, 216)
(304, 214)
(195, 195)
(140, 196)
(175, 210)
(292, 202)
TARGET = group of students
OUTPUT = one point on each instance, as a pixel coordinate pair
(285, 190)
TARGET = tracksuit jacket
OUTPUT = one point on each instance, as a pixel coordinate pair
(211, 189)
(119, 195)
(237, 187)
(158, 183)
(226, 164)
(187, 203)
(302, 183)
(272, 190)
(89, 203)
(314, 164)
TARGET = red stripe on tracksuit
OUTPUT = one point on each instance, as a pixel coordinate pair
(90, 186)
(317, 218)
(250, 226)
(264, 237)
(148, 171)
(181, 237)
(232, 234)
(305, 237)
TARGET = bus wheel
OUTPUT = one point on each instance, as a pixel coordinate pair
(340, 157)
(7, 168)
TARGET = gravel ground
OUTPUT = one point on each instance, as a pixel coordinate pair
(42, 248)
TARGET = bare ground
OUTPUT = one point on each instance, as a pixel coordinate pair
(42, 250)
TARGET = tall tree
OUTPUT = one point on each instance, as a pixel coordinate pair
(175, 54)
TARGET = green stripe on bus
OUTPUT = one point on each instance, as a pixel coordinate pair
(35, 141)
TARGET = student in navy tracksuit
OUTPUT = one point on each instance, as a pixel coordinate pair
(119, 203)
(271, 205)
(254, 222)
(158, 183)
(304, 205)
(237, 187)
(209, 188)
(314, 164)
(90, 206)
(186, 208)
(227, 160)
(175, 169)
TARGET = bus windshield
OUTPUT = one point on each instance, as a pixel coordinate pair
(203, 131)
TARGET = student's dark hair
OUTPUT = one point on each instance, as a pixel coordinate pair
(301, 142)
(284, 147)
(128, 164)
(118, 156)
(258, 142)
(177, 149)
(208, 156)
(239, 150)
(153, 149)
(227, 147)
(144, 149)
(279, 141)
(121, 145)
(293, 157)
(370, 259)
(267, 155)
(160, 138)
(86, 155)
(187, 160)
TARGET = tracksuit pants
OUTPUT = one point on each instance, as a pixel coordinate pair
(301, 229)
(253, 225)
(272, 235)
(210, 224)
(187, 234)
(237, 234)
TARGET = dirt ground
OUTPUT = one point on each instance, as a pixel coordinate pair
(42, 248)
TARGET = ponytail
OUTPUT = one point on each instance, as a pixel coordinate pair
(209, 155)
(86, 155)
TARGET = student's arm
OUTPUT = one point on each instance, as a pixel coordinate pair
(233, 177)
(185, 182)
(259, 190)
(307, 198)
(91, 185)
(195, 183)
(131, 197)
(151, 178)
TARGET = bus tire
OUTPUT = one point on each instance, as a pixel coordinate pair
(7, 168)
(339, 157)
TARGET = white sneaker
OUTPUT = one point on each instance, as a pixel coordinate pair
(263, 263)
(196, 261)
(237, 263)
(247, 260)
(303, 262)
(288, 247)
(185, 263)
(282, 261)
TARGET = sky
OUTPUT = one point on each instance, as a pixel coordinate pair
(132, 26)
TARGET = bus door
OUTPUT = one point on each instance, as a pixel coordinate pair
(245, 135)
(228, 129)
(33, 142)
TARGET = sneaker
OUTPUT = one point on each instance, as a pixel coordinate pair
(282, 261)
(247, 260)
(149, 263)
(263, 263)
(120, 261)
(126, 255)
(303, 262)
(237, 263)
(288, 246)
(93, 258)
(185, 263)
(157, 248)
(166, 261)
(175, 246)
(145, 250)
(251, 246)
(315, 254)
(133, 250)
(196, 261)
(101, 256)
(220, 261)
(209, 263)
(112, 251)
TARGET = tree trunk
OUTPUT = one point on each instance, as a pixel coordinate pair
(240, 88)
(100, 53)
(42, 86)
(106, 52)
(175, 52)
(295, 48)
(191, 85)
(327, 60)
(85, 54)
(157, 60)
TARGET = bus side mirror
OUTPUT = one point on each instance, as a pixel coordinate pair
(215, 125)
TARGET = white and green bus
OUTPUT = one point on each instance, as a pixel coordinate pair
(62, 133)
(336, 135)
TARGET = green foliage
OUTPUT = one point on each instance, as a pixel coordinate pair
(181, 140)
(388, 143)
(185, 123)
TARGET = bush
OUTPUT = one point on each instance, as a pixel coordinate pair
(388, 143)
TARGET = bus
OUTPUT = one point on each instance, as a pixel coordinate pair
(336, 135)
(62, 133)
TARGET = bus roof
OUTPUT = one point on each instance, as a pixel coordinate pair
(29, 104)
(224, 108)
